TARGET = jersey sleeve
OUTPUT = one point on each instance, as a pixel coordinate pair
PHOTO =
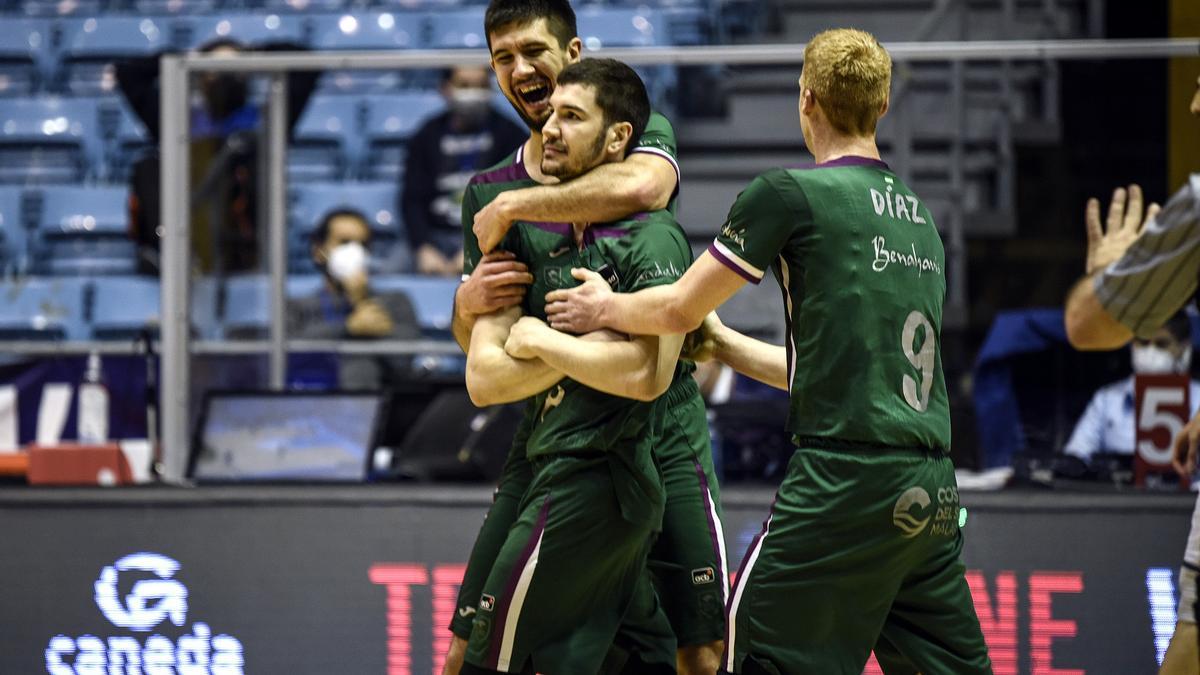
(659, 139)
(471, 252)
(758, 226)
(1157, 275)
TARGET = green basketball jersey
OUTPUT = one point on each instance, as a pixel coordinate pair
(861, 267)
(647, 250)
(510, 174)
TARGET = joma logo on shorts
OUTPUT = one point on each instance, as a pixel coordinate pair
(901, 518)
(704, 575)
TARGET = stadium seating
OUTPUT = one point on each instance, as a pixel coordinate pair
(82, 230)
(248, 29)
(24, 44)
(122, 307)
(310, 203)
(390, 120)
(432, 298)
(326, 139)
(41, 308)
(14, 254)
(363, 30)
(91, 45)
(457, 29)
(48, 140)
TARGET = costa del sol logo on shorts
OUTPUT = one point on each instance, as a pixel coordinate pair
(704, 575)
(487, 603)
(901, 516)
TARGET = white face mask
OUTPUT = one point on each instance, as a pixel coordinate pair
(348, 260)
(1151, 360)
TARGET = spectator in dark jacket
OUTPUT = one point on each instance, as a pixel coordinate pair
(443, 154)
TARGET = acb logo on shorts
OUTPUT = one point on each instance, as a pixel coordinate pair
(909, 525)
(704, 575)
(487, 602)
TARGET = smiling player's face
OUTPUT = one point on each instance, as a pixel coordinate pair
(574, 135)
(527, 59)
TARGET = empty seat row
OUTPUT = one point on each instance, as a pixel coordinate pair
(75, 54)
(83, 230)
(111, 308)
(43, 8)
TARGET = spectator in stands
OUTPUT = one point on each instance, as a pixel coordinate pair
(443, 154)
(1139, 273)
(346, 307)
(224, 166)
(1107, 426)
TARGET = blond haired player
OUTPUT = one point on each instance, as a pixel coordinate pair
(862, 546)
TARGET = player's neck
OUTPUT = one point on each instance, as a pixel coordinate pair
(831, 146)
(533, 159)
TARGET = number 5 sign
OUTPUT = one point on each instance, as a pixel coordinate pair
(1162, 409)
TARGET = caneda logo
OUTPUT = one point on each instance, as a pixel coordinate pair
(154, 598)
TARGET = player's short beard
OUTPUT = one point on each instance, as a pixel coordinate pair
(567, 171)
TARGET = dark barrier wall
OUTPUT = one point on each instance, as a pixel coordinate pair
(362, 580)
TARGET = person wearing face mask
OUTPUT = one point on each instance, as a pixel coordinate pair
(223, 160)
(345, 307)
(442, 156)
(1107, 426)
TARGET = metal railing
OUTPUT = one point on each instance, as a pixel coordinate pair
(177, 344)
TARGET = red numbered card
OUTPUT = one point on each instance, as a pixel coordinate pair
(1161, 408)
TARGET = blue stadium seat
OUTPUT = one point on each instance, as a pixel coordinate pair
(390, 120)
(24, 45)
(174, 7)
(41, 308)
(59, 8)
(84, 230)
(246, 311)
(90, 46)
(122, 307)
(307, 5)
(14, 254)
(363, 30)
(48, 140)
(248, 29)
(601, 27)
(309, 204)
(125, 138)
(457, 29)
(326, 140)
(432, 298)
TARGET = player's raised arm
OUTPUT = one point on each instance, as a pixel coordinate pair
(640, 368)
(663, 310)
(645, 181)
(494, 377)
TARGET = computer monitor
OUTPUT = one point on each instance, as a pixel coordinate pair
(285, 436)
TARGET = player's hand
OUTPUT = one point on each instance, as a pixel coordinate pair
(523, 337)
(700, 345)
(498, 281)
(1183, 458)
(492, 222)
(1125, 221)
(578, 310)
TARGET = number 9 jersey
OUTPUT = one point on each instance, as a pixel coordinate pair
(862, 271)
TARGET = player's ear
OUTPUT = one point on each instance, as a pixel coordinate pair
(574, 50)
(619, 135)
(883, 110)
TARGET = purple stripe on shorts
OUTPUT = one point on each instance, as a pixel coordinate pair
(724, 260)
(742, 569)
(713, 535)
(514, 576)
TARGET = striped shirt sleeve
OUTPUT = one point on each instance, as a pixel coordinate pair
(1158, 274)
(758, 226)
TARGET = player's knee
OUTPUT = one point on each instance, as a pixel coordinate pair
(700, 659)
